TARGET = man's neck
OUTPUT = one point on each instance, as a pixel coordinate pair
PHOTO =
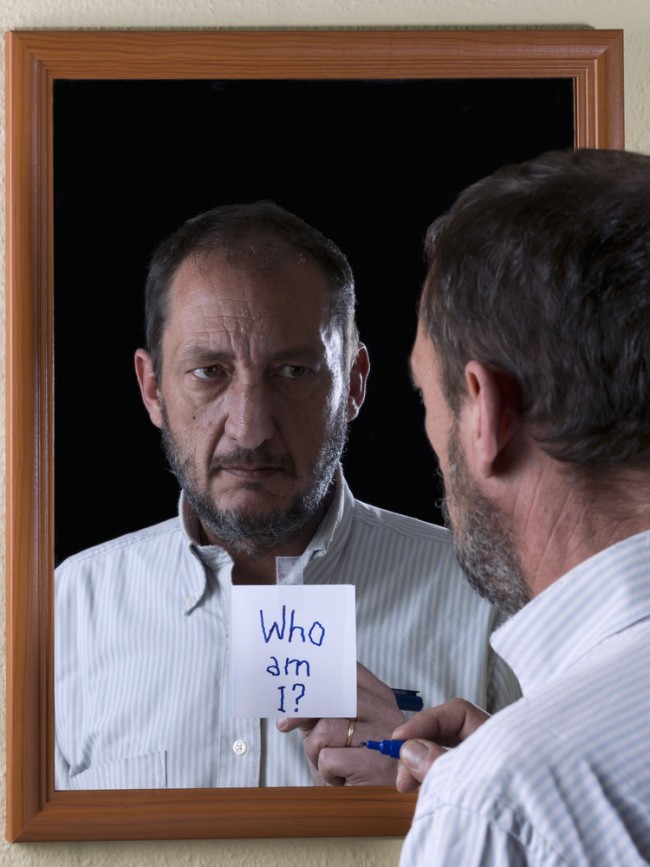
(569, 520)
(260, 567)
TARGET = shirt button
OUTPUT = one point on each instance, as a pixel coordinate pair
(239, 747)
(190, 601)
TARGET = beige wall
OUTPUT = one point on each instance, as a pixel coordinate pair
(633, 16)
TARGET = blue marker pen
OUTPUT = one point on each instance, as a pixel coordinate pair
(386, 747)
(408, 699)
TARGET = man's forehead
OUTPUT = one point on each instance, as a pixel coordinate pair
(216, 272)
(217, 307)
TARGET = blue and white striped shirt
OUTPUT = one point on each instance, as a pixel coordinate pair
(562, 777)
(142, 649)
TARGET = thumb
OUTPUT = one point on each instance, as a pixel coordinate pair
(417, 756)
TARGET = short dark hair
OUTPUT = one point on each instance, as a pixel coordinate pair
(543, 271)
(253, 235)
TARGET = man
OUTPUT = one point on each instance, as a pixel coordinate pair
(253, 371)
(533, 357)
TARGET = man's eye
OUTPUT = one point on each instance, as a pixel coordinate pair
(292, 371)
(208, 372)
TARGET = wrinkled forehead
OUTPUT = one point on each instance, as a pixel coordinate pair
(275, 305)
(268, 262)
(251, 248)
(278, 279)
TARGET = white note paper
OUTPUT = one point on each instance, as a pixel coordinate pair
(294, 651)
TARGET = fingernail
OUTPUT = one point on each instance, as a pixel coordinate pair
(414, 754)
(281, 722)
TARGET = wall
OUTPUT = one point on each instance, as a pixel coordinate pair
(633, 16)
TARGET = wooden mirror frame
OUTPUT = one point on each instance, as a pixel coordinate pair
(592, 59)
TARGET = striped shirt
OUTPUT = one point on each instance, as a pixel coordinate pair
(562, 777)
(142, 648)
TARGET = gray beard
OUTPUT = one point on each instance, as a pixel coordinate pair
(260, 534)
(482, 539)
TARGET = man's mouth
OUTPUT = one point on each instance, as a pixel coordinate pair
(248, 472)
(252, 466)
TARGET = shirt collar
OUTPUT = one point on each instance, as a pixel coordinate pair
(601, 596)
(201, 558)
(336, 521)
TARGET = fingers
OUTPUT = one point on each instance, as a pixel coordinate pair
(289, 724)
(428, 735)
(448, 724)
(330, 757)
(356, 767)
(374, 699)
(319, 734)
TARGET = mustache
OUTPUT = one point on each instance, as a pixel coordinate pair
(262, 456)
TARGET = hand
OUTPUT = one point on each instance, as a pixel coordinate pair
(332, 763)
(428, 736)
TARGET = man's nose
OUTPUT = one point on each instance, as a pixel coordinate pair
(249, 420)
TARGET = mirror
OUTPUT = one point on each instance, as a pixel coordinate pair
(47, 72)
(369, 162)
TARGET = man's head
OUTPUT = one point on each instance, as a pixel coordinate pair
(540, 274)
(543, 271)
(253, 369)
(252, 236)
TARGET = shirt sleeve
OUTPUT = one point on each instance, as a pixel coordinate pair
(453, 835)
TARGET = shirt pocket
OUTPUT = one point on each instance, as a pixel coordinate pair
(148, 771)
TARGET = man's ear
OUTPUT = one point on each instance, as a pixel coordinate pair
(358, 376)
(492, 411)
(148, 386)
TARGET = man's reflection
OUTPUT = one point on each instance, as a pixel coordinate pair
(253, 370)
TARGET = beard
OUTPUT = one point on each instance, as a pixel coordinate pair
(482, 538)
(253, 535)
